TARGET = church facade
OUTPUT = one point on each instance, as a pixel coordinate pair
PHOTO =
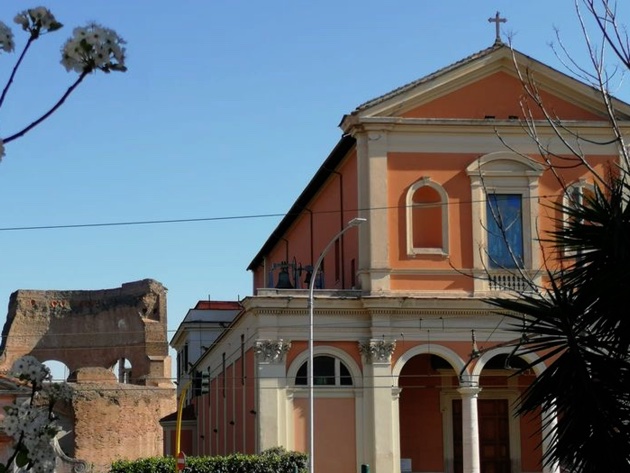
(413, 371)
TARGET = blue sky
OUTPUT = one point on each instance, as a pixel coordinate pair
(227, 110)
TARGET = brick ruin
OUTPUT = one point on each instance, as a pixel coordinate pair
(112, 416)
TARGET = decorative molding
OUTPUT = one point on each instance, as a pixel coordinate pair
(272, 351)
(470, 391)
(64, 462)
(377, 351)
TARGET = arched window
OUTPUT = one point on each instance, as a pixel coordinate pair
(427, 218)
(575, 196)
(577, 193)
(327, 371)
(504, 193)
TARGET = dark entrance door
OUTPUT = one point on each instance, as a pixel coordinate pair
(494, 436)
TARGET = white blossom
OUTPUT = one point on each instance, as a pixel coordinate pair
(94, 47)
(6, 38)
(58, 392)
(34, 428)
(28, 421)
(22, 20)
(28, 368)
(37, 20)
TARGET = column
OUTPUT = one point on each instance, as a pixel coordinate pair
(271, 377)
(470, 429)
(381, 435)
(549, 419)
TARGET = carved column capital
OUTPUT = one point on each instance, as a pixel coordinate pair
(469, 392)
(377, 350)
(272, 351)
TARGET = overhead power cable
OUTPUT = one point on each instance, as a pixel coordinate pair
(227, 217)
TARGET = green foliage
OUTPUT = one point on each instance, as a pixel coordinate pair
(582, 331)
(21, 460)
(144, 465)
(275, 460)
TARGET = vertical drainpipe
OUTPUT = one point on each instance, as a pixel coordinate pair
(265, 275)
(286, 249)
(233, 421)
(311, 232)
(342, 223)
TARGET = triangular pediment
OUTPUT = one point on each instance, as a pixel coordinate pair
(488, 85)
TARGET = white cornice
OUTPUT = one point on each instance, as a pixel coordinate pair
(486, 136)
(505, 60)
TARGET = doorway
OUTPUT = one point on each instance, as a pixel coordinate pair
(494, 435)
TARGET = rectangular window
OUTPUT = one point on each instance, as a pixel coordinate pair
(504, 224)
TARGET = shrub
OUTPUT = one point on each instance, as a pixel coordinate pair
(274, 460)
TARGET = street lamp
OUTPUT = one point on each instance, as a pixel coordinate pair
(311, 406)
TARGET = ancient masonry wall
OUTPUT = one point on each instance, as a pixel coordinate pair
(119, 422)
(90, 331)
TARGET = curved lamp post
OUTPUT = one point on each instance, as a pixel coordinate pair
(311, 406)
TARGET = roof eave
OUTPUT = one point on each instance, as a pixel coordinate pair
(339, 152)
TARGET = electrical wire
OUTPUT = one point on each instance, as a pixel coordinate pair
(240, 217)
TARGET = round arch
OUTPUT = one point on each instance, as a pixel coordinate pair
(497, 157)
(449, 355)
(410, 204)
(58, 369)
(355, 371)
(528, 357)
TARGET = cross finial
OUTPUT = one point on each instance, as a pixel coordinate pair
(497, 20)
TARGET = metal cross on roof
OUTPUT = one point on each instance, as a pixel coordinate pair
(497, 20)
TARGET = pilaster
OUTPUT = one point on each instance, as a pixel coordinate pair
(374, 268)
(382, 443)
(271, 386)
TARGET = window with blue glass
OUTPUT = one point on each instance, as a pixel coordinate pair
(504, 223)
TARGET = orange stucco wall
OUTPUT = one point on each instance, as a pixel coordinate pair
(496, 95)
(335, 435)
(531, 441)
(448, 170)
(185, 439)
(420, 415)
(313, 229)
(227, 415)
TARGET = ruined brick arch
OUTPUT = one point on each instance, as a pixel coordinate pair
(89, 331)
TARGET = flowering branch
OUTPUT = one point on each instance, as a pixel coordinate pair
(33, 424)
(14, 71)
(49, 112)
(90, 48)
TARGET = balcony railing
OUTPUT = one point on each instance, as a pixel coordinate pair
(508, 281)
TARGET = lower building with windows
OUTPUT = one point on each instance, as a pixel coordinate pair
(413, 371)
